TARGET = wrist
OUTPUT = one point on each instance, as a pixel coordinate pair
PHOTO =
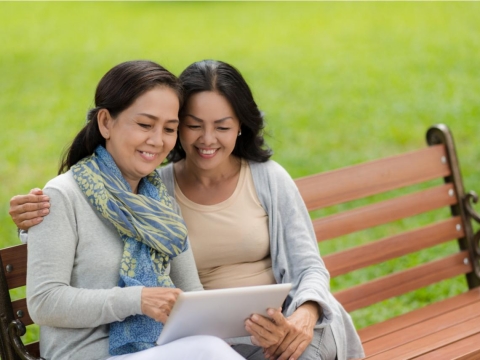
(313, 309)
(310, 312)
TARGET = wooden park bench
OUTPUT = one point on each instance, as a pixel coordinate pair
(447, 329)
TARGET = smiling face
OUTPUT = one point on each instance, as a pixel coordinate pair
(208, 130)
(142, 135)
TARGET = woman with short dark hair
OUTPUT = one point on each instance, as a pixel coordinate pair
(247, 222)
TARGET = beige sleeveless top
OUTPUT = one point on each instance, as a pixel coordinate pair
(230, 240)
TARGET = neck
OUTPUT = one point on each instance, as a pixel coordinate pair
(209, 177)
(133, 185)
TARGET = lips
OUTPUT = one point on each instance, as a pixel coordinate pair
(207, 151)
(147, 155)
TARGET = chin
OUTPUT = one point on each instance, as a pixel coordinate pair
(146, 172)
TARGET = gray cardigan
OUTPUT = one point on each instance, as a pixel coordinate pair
(73, 270)
(294, 252)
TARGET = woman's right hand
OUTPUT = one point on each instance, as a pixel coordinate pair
(157, 302)
(28, 210)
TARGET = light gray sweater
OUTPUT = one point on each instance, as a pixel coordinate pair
(73, 270)
(294, 252)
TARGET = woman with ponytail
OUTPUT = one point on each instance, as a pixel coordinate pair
(101, 268)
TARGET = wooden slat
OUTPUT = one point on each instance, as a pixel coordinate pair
(419, 315)
(383, 212)
(374, 177)
(392, 247)
(464, 349)
(34, 348)
(401, 282)
(21, 305)
(428, 343)
(426, 328)
(17, 257)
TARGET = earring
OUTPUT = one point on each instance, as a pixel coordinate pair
(239, 133)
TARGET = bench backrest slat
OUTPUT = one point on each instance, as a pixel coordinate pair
(15, 257)
(383, 212)
(21, 305)
(374, 177)
(404, 281)
(33, 348)
(394, 246)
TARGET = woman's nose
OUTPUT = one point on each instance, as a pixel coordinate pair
(208, 137)
(156, 138)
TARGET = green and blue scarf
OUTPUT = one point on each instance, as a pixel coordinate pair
(153, 234)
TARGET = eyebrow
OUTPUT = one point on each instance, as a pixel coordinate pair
(215, 121)
(153, 117)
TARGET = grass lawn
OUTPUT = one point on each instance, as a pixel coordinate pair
(340, 83)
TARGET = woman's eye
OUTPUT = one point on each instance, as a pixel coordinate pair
(145, 126)
(223, 128)
(193, 127)
(170, 130)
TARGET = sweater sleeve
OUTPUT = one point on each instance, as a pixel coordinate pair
(52, 301)
(23, 236)
(183, 272)
(293, 245)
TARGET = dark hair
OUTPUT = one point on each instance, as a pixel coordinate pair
(212, 75)
(116, 91)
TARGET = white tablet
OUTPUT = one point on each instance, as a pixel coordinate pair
(220, 312)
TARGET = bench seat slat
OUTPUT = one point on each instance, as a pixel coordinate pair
(426, 344)
(403, 281)
(373, 177)
(426, 328)
(21, 305)
(467, 348)
(383, 212)
(419, 315)
(392, 247)
(15, 256)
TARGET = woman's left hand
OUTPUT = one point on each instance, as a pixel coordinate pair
(284, 338)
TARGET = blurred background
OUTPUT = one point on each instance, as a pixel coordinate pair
(339, 82)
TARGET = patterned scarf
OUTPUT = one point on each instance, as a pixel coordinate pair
(153, 234)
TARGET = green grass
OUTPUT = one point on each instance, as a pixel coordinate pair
(340, 83)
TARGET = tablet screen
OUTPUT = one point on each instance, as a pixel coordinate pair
(220, 312)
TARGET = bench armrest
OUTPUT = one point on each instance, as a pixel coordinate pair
(471, 196)
(15, 330)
